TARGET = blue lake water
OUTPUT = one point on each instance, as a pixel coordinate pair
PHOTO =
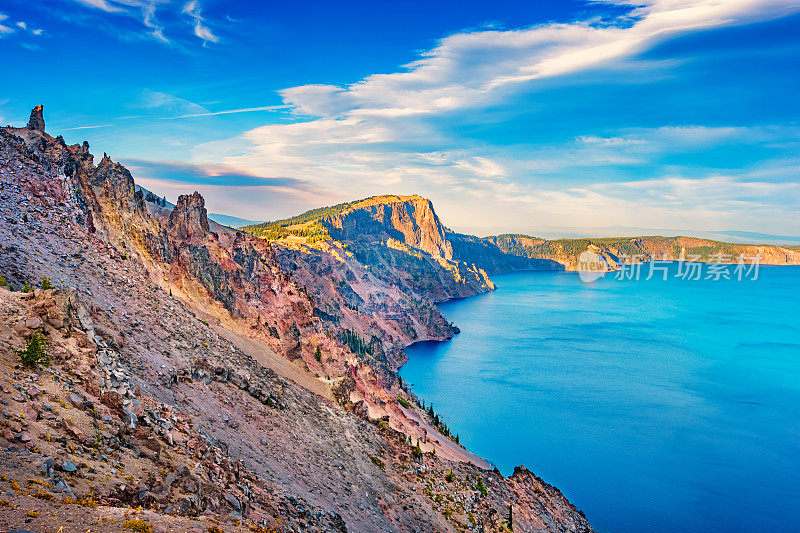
(663, 406)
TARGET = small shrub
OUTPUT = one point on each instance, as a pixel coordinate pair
(46, 283)
(417, 451)
(215, 529)
(318, 355)
(138, 525)
(87, 501)
(377, 462)
(3, 282)
(450, 477)
(24, 217)
(27, 288)
(43, 494)
(33, 514)
(404, 403)
(35, 352)
(480, 487)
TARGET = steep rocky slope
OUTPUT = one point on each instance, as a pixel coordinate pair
(178, 346)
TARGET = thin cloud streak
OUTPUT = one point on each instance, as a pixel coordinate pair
(88, 127)
(232, 111)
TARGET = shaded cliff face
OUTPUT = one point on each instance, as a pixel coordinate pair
(410, 220)
(494, 259)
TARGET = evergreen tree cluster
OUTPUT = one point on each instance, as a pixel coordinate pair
(150, 197)
(440, 425)
(355, 343)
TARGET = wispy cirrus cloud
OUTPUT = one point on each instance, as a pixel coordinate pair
(20, 27)
(201, 29)
(103, 5)
(143, 10)
(169, 104)
(147, 13)
(3, 28)
(88, 127)
(231, 111)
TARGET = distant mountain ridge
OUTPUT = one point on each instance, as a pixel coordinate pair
(412, 221)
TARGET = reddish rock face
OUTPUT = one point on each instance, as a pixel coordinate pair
(189, 218)
(408, 219)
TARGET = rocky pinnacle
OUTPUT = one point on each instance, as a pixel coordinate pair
(36, 122)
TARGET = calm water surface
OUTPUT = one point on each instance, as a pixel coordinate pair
(653, 405)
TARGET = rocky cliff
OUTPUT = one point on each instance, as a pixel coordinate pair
(203, 377)
(616, 250)
(410, 220)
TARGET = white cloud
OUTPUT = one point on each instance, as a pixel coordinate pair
(466, 69)
(169, 103)
(144, 10)
(22, 25)
(608, 141)
(102, 5)
(3, 28)
(88, 127)
(201, 30)
(232, 111)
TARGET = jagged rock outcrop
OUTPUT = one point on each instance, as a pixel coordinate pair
(189, 218)
(36, 121)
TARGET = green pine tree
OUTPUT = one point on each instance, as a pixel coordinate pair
(35, 352)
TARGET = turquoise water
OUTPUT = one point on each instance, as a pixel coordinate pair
(659, 406)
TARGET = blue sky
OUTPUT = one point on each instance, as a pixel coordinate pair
(510, 116)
